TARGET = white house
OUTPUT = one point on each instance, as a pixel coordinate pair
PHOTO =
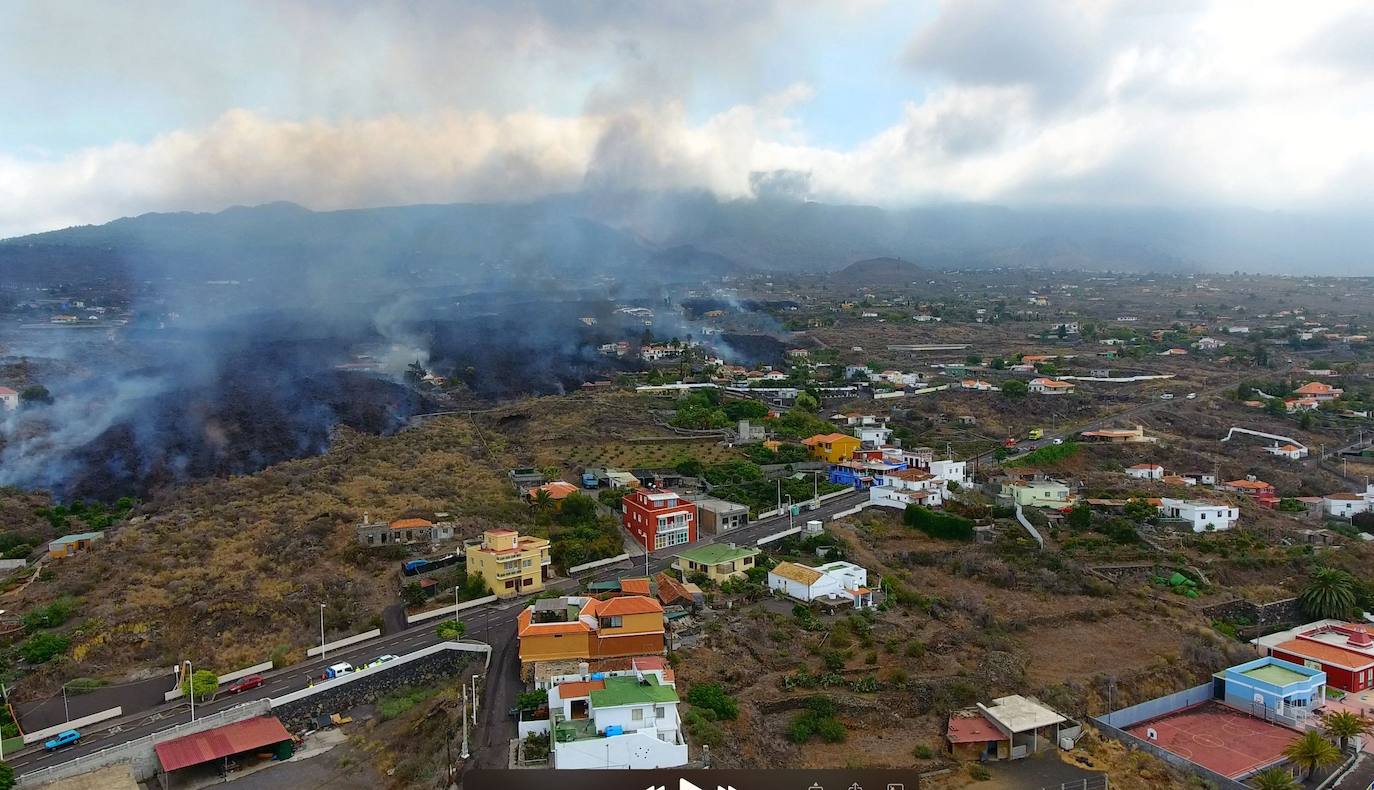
(616, 722)
(908, 487)
(1145, 472)
(1208, 344)
(1289, 451)
(1201, 516)
(874, 435)
(9, 399)
(1348, 505)
(832, 582)
(1069, 327)
(950, 471)
(1044, 386)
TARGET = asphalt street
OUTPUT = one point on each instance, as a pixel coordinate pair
(494, 624)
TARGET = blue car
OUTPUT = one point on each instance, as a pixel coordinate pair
(64, 738)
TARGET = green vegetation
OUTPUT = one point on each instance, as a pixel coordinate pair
(938, 525)
(41, 648)
(393, 705)
(703, 726)
(1330, 593)
(710, 696)
(1312, 751)
(1049, 454)
(577, 532)
(1274, 779)
(82, 517)
(532, 700)
(762, 495)
(414, 595)
(1290, 505)
(798, 423)
(704, 409)
(6, 776)
(451, 629)
(1344, 725)
(204, 683)
(1015, 389)
(739, 471)
(817, 720)
(50, 616)
(788, 453)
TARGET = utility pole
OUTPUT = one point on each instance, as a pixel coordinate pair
(321, 631)
(464, 753)
(474, 699)
(456, 621)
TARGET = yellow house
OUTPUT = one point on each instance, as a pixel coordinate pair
(832, 447)
(717, 561)
(67, 545)
(510, 564)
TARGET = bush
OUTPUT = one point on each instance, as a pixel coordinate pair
(701, 724)
(923, 752)
(41, 648)
(938, 525)
(393, 705)
(818, 720)
(451, 629)
(50, 616)
(532, 700)
(710, 696)
(204, 682)
(978, 772)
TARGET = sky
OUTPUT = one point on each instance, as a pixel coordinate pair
(116, 109)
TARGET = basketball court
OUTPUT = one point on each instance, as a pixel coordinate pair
(1218, 738)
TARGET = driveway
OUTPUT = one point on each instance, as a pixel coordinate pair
(1044, 770)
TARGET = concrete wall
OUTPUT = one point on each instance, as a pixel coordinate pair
(433, 613)
(74, 724)
(1153, 709)
(1281, 612)
(345, 642)
(586, 566)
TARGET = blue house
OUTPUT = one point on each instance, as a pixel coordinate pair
(861, 475)
(1272, 685)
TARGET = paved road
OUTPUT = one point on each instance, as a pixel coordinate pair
(494, 624)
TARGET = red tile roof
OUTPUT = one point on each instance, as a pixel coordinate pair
(635, 586)
(202, 747)
(411, 523)
(579, 689)
(626, 604)
(1326, 654)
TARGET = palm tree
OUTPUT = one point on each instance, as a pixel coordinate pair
(1275, 779)
(1330, 592)
(542, 500)
(1345, 725)
(1312, 751)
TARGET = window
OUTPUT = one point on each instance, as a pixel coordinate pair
(637, 714)
(612, 622)
(510, 584)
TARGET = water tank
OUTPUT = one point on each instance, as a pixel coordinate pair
(598, 676)
(614, 729)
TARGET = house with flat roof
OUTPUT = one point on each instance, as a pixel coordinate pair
(1028, 724)
(1039, 493)
(402, 531)
(1200, 516)
(1349, 505)
(834, 583)
(617, 721)
(716, 561)
(511, 563)
(659, 518)
(67, 545)
(1145, 471)
(1271, 685)
(718, 515)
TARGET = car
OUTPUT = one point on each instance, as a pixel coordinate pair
(384, 659)
(341, 668)
(1191, 395)
(64, 738)
(1167, 396)
(244, 684)
(1058, 441)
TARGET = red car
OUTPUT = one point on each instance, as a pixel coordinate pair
(250, 682)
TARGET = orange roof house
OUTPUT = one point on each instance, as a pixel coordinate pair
(832, 447)
(556, 489)
(1319, 391)
(582, 628)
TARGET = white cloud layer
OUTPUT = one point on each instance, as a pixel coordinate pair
(1137, 102)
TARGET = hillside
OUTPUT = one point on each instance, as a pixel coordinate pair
(880, 271)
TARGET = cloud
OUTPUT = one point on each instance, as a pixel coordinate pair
(1046, 101)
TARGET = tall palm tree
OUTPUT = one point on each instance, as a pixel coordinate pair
(1312, 751)
(1274, 779)
(1345, 725)
(1330, 592)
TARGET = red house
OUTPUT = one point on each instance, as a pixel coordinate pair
(1344, 652)
(658, 518)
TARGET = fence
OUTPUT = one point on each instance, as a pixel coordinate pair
(432, 613)
(1219, 781)
(1153, 709)
(345, 642)
(802, 512)
(586, 566)
(1087, 783)
(178, 693)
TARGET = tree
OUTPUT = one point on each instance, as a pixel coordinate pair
(1275, 779)
(1276, 407)
(542, 500)
(1345, 725)
(1015, 389)
(1081, 517)
(6, 776)
(689, 467)
(413, 595)
(807, 402)
(1330, 593)
(36, 393)
(451, 629)
(203, 682)
(1312, 751)
(40, 648)
(712, 697)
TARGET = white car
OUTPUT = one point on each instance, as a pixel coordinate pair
(1191, 395)
(1167, 396)
(1058, 441)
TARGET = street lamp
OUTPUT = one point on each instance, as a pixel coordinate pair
(321, 630)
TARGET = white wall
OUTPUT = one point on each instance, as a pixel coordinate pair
(624, 716)
(632, 750)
